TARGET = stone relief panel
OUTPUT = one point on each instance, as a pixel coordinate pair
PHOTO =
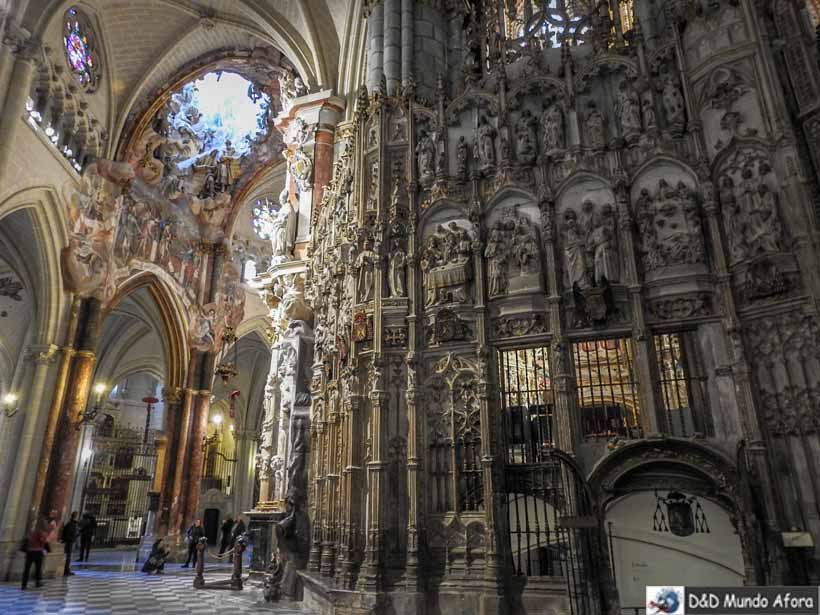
(714, 32)
(512, 251)
(784, 353)
(667, 211)
(590, 251)
(729, 106)
(447, 259)
(750, 203)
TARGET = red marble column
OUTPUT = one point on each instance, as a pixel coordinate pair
(174, 402)
(57, 494)
(177, 493)
(202, 403)
(322, 166)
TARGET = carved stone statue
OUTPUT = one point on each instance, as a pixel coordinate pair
(425, 159)
(552, 121)
(650, 120)
(574, 245)
(283, 229)
(365, 264)
(673, 102)
(485, 145)
(628, 108)
(602, 247)
(526, 149)
(462, 154)
(765, 229)
(734, 222)
(396, 269)
(496, 255)
(595, 127)
(526, 248)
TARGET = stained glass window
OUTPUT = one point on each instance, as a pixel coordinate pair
(80, 49)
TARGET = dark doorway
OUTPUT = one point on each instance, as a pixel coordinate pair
(211, 522)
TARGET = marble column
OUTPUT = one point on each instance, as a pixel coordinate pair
(63, 453)
(22, 73)
(199, 427)
(164, 482)
(176, 493)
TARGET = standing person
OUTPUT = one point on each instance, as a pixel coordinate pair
(238, 529)
(35, 546)
(227, 526)
(87, 529)
(194, 533)
(67, 537)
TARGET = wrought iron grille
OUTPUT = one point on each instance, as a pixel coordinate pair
(217, 470)
(527, 403)
(607, 388)
(682, 384)
(552, 530)
(120, 475)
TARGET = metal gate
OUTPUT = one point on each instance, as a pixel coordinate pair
(552, 530)
(120, 475)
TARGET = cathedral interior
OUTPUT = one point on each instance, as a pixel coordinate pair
(428, 307)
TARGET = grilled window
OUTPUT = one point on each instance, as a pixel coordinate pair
(682, 384)
(607, 388)
(527, 403)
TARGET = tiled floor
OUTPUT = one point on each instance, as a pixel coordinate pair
(111, 584)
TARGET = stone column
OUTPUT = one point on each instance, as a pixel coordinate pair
(246, 442)
(63, 453)
(651, 420)
(30, 421)
(22, 74)
(370, 577)
(199, 427)
(308, 127)
(174, 400)
(375, 46)
(175, 493)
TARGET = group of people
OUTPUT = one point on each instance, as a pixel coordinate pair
(45, 531)
(231, 530)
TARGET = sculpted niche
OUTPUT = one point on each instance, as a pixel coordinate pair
(446, 263)
(668, 219)
(512, 252)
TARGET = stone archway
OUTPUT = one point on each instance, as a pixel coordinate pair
(680, 499)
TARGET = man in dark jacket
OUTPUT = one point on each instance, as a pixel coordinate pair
(69, 534)
(238, 529)
(227, 526)
(194, 533)
(87, 528)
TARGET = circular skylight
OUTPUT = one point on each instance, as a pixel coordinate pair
(232, 110)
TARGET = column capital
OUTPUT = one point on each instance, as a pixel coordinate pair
(42, 354)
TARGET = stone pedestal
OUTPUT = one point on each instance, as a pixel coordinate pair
(262, 531)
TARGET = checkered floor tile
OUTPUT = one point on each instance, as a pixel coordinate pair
(111, 584)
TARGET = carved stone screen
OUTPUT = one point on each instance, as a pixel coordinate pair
(607, 388)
